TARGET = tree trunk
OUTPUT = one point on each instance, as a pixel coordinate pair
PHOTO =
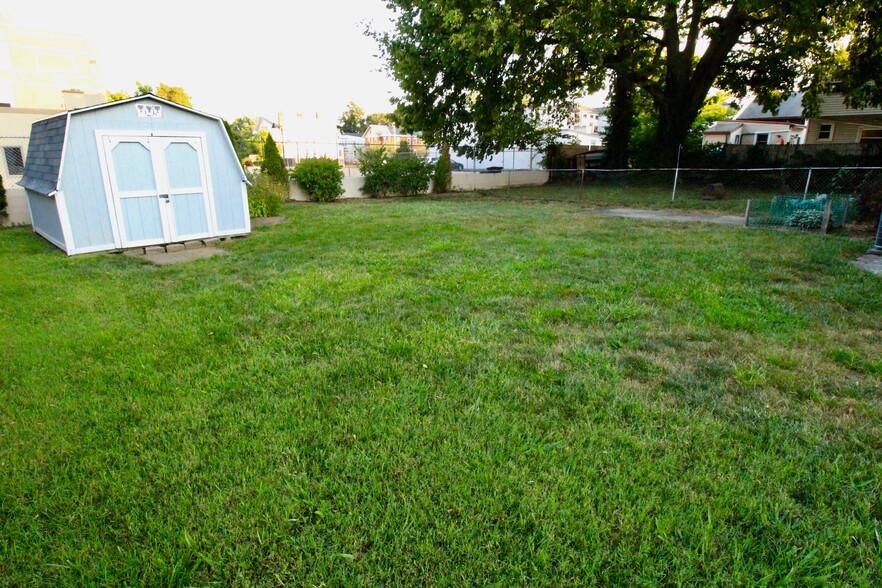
(621, 119)
(673, 126)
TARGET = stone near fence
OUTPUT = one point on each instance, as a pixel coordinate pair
(154, 250)
(713, 192)
(174, 247)
(193, 244)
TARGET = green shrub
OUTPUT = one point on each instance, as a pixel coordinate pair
(3, 213)
(441, 175)
(320, 177)
(265, 196)
(401, 174)
(272, 164)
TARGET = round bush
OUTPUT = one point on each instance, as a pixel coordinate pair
(320, 177)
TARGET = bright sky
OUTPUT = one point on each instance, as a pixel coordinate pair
(250, 58)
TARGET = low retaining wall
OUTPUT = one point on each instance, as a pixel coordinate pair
(462, 182)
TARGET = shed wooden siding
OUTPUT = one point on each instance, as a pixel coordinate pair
(45, 217)
(83, 184)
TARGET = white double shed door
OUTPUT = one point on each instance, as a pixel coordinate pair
(159, 188)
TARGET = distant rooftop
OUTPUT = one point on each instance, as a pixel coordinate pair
(724, 126)
(790, 108)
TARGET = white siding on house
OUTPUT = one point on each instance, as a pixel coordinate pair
(834, 105)
(843, 132)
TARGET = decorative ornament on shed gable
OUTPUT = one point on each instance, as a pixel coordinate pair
(149, 110)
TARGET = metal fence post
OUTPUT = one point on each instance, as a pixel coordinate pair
(877, 246)
(747, 214)
(807, 182)
(676, 174)
(582, 183)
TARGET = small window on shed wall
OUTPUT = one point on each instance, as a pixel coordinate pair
(825, 132)
(762, 139)
(14, 161)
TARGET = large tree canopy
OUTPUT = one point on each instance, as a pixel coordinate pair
(174, 94)
(491, 74)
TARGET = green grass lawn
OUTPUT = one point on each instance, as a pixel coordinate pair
(444, 392)
(648, 197)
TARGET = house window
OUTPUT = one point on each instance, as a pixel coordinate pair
(14, 160)
(825, 132)
(871, 135)
(762, 139)
(737, 140)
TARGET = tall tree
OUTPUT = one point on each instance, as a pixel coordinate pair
(493, 74)
(352, 120)
(272, 164)
(243, 137)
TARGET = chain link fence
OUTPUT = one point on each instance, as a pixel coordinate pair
(13, 151)
(348, 151)
(780, 197)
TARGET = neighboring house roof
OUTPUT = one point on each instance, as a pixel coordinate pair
(791, 108)
(387, 131)
(724, 126)
(46, 145)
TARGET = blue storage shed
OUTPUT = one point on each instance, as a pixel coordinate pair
(133, 173)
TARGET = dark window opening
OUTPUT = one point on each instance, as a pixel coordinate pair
(14, 160)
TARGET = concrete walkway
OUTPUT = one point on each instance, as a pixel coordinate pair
(678, 216)
(183, 256)
(870, 262)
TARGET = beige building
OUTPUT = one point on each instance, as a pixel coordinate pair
(36, 67)
(41, 73)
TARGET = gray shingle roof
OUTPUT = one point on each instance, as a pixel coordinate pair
(790, 108)
(44, 155)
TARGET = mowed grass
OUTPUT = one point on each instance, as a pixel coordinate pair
(444, 392)
(620, 193)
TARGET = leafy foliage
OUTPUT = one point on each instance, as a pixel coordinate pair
(265, 196)
(403, 174)
(441, 179)
(807, 219)
(320, 177)
(645, 128)
(272, 164)
(352, 120)
(495, 74)
(174, 94)
(381, 118)
(3, 203)
(242, 134)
